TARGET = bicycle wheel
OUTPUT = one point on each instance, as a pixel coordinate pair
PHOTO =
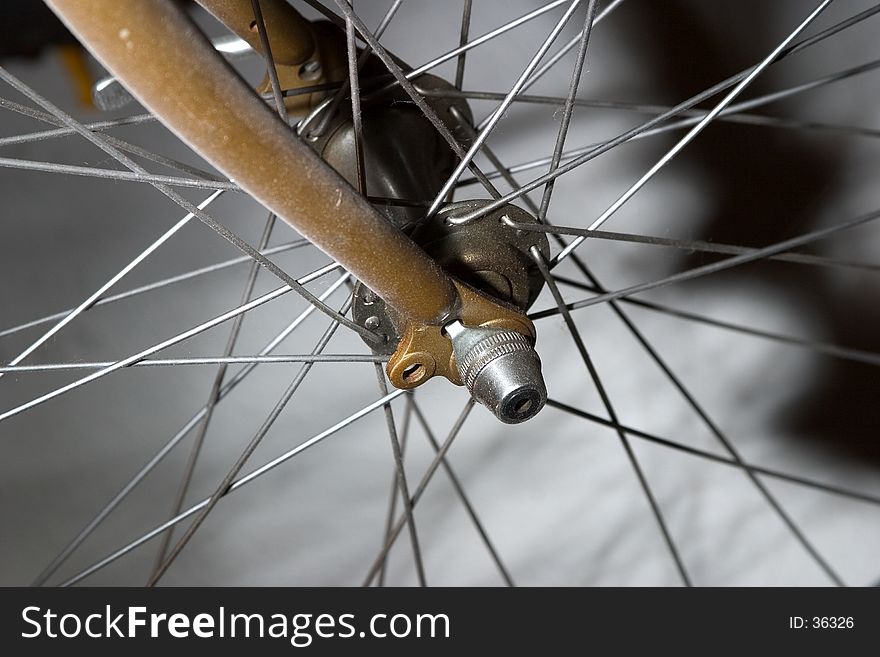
(710, 420)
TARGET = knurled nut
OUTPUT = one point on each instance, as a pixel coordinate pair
(487, 350)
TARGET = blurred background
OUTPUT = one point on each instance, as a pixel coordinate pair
(557, 496)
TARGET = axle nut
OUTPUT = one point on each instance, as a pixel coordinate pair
(501, 369)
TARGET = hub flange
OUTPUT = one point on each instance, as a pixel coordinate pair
(486, 255)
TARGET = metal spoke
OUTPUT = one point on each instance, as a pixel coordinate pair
(328, 13)
(675, 111)
(420, 489)
(501, 109)
(356, 117)
(717, 458)
(575, 40)
(155, 285)
(99, 141)
(213, 396)
(285, 359)
(180, 337)
(229, 478)
(397, 452)
(498, 31)
(733, 114)
(568, 108)
(637, 334)
(558, 163)
(271, 70)
(696, 130)
(543, 266)
(400, 475)
(157, 458)
(113, 174)
(727, 263)
(817, 346)
(466, 8)
(496, 162)
(445, 57)
(713, 428)
(742, 107)
(538, 257)
(456, 52)
(562, 52)
(762, 489)
(31, 137)
(392, 500)
(407, 86)
(236, 485)
(97, 294)
(459, 490)
(329, 110)
(119, 143)
(699, 246)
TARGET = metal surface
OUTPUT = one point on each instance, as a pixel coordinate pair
(501, 370)
(404, 158)
(108, 93)
(304, 53)
(404, 155)
(214, 111)
(371, 311)
(425, 350)
(488, 254)
(290, 35)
